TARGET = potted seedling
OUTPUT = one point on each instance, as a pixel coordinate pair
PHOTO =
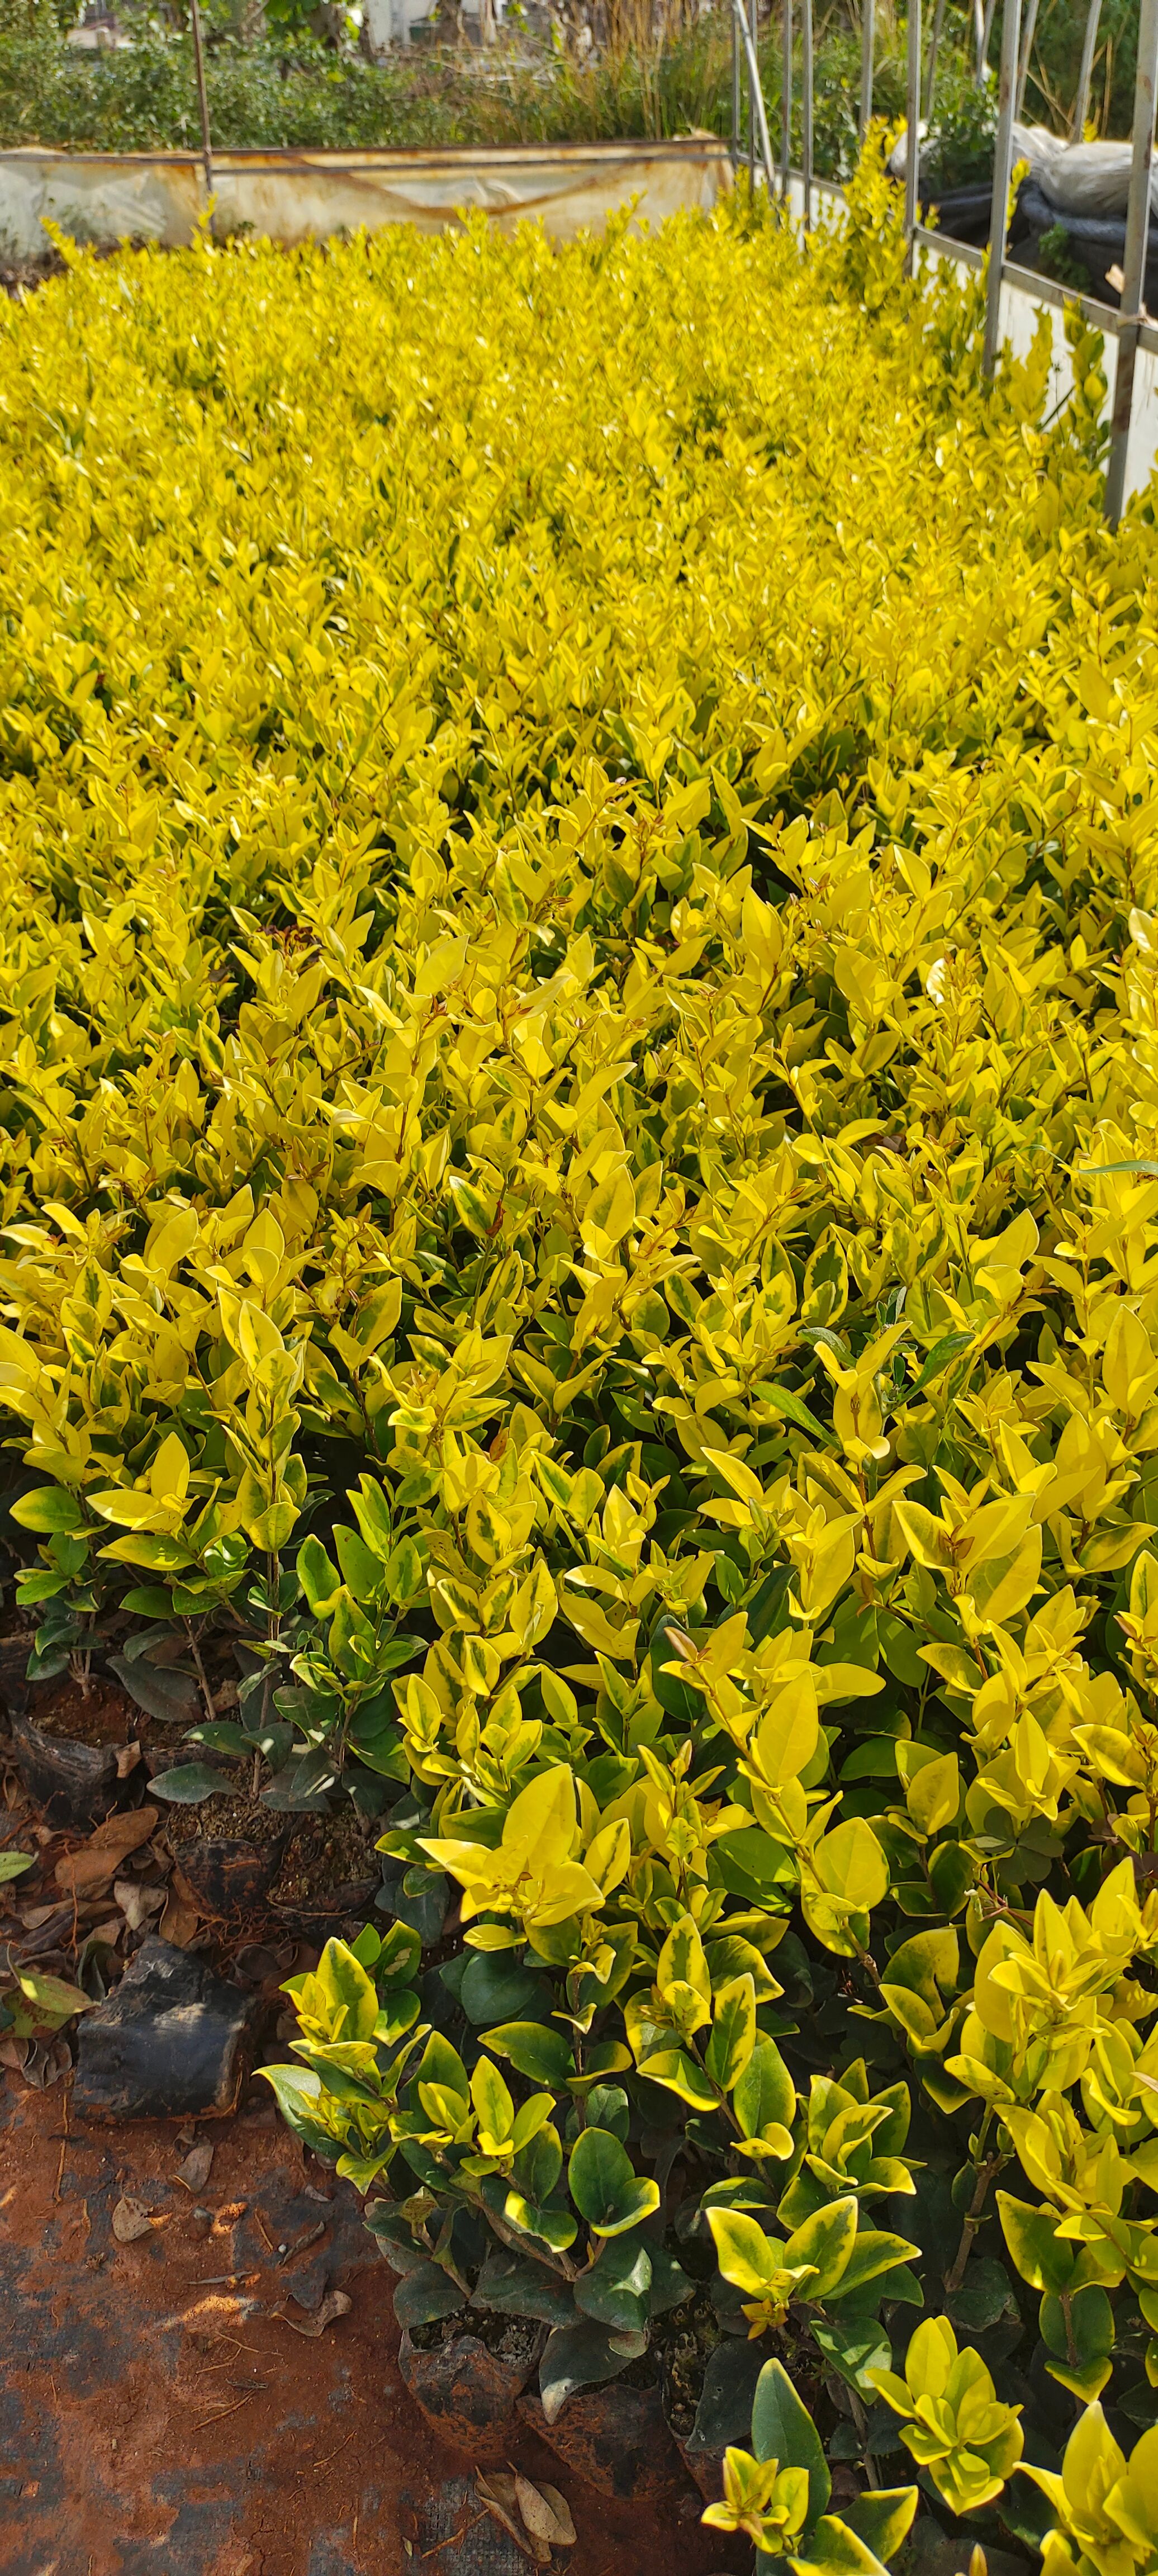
(524, 2233)
(195, 1563)
(315, 1724)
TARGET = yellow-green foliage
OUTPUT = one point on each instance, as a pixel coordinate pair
(578, 935)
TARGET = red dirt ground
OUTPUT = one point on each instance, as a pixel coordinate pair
(157, 2419)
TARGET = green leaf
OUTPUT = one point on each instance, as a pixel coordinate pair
(426, 2293)
(733, 2035)
(495, 1988)
(161, 1692)
(782, 2429)
(223, 1737)
(882, 2519)
(679, 2073)
(514, 2285)
(318, 1576)
(13, 1864)
(616, 2290)
(48, 1510)
(765, 2094)
(604, 2185)
(855, 2346)
(783, 1401)
(188, 1784)
(874, 2251)
(48, 2001)
(538, 2165)
(397, 1957)
(534, 2050)
(835, 2549)
(1090, 2321)
(157, 1554)
(986, 2294)
(1042, 2257)
(826, 2239)
(583, 2355)
(939, 1359)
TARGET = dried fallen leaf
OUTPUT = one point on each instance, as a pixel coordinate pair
(14, 2053)
(546, 2513)
(128, 1756)
(130, 2220)
(179, 1921)
(496, 2491)
(137, 1903)
(125, 1832)
(335, 2304)
(85, 1871)
(194, 2173)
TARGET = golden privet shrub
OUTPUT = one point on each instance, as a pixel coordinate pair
(579, 911)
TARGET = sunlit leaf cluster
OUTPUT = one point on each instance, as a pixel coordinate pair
(579, 1152)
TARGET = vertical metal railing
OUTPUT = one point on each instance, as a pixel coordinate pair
(735, 96)
(868, 33)
(202, 97)
(1002, 173)
(931, 65)
(786, 105)
(1134, 261)
(1086, 74)
(753, 86)
(806, 86)
(745, 23)
(1029, 31)
(913, 123)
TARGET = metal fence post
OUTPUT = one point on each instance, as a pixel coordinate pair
(934, 50)
(1134, 263)
(913, 123)
(986, 35)
(755, 93)
(735, 95)
(1086, 74)
(806, 107)
(786, 106)
(1002, 170)
(202, 100)
(753, 86)
(1030, 30)
(868, 30)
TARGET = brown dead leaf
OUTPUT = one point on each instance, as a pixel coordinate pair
(546, 2513)
(86, 1871)
(131, 2219)
(138, 1903)
(123, 1833)
(179, 1921)
(128, 1756)
(109, 1931)
(496, 2492)
(194, 2173)
(14, 2053)
(335, 2304)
